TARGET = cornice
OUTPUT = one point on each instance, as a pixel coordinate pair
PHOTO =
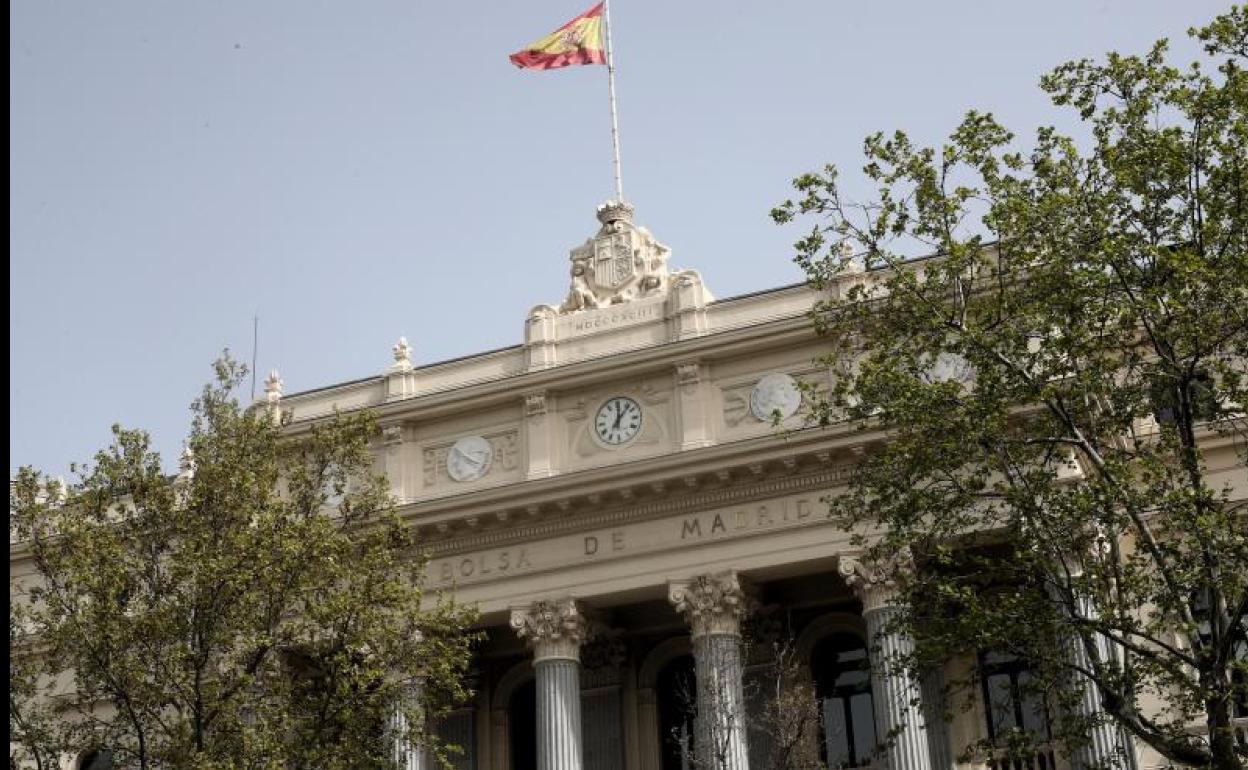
(631, 500)
(584, 372)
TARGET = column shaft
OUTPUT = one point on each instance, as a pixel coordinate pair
(720, 742)
(898, 714)
(1108, 746)
(558, 714)
(405, 753)
(933, 685)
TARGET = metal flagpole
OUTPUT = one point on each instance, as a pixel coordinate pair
(615, 121)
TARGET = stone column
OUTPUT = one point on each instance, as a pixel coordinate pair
(932, 684)
(895, 692)
(1108, 746)
(406, 754)
(714, 605)
(554, 631)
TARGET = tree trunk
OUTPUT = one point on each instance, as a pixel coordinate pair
(1221, 739)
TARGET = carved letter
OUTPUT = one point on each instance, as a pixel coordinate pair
(691, 527)
(591, 545)
(718, 524)
(617, 541)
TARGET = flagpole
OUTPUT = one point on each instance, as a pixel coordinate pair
(615, 121)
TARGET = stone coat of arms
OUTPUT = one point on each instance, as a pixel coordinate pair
(622, 262)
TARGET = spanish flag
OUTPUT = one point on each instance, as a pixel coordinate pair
(577, 42)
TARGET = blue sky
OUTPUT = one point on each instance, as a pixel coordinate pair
(356, 171)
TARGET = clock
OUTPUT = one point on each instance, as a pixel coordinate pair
(469, 458)
(775, 393)
(618, 421)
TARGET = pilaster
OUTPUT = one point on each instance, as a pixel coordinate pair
(687, 301)
(539, 443)
(693, 403)
(392, 442)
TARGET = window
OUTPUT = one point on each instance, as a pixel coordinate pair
(1165, 401)
(842, 671)
(1012, 706)
(676, 686)
(100, 759)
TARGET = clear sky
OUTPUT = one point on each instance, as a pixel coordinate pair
(354, 171)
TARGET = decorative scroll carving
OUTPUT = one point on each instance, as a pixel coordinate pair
(621, 263)
(874, 581)
(553, 629)
(711, 604)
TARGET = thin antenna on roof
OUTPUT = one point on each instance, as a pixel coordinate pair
(255, 339)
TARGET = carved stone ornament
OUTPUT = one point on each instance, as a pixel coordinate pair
(874, 582)
(535, 404)
(273, 387)
(688, 373)
(392, 435)
(402, 356)
(553, 629)
(711, 604)
(621, 263)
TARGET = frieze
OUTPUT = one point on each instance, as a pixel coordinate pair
(828, 477)
(675, 532)
(506, 457)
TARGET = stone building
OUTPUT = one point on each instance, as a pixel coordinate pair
(616, 498)
(626, 496)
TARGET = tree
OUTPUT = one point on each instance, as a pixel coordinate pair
(264, 609)
(1042, 392)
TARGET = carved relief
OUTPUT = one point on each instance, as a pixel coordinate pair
(535, 404)
(874, 581)
(553, 629)
(688, 375)
(711, 604)
(621, 263)
(738, 396)
(505, 458)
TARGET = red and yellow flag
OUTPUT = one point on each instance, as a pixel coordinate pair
(577, 42)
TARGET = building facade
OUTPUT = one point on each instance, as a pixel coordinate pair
(628, 494)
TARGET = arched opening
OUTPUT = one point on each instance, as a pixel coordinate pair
(522, 726)
(676, 689)
(841, 669)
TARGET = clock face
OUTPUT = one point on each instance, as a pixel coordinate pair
(775, 393)
(618, 421)
(469, 458)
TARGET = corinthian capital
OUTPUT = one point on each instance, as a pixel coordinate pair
(554, 629)
(874, 581)
(711, 604)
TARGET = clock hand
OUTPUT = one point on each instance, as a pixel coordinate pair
(619, 413)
